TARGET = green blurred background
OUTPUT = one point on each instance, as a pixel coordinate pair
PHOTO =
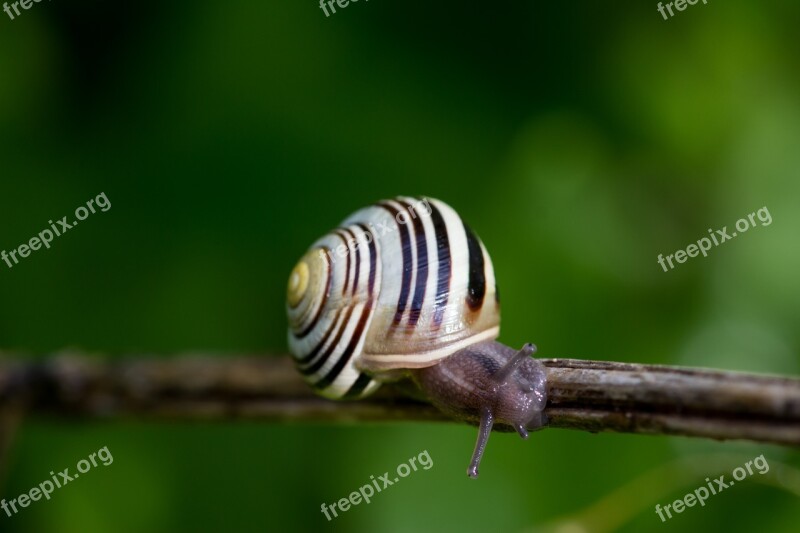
(580, 140)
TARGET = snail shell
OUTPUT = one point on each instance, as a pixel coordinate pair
(401, 284)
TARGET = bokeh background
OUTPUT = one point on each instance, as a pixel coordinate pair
(580, 140)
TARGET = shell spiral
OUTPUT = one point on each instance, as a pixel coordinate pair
(400, 284)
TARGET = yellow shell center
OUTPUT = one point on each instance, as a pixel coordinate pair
(298, 284)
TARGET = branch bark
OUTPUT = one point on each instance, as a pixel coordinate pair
(585, 395)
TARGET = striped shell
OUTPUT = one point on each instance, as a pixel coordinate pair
(400, 284)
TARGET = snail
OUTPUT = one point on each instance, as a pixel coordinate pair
(403, 289)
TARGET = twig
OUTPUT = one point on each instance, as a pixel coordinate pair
(586, 395)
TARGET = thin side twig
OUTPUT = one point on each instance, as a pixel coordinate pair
(584, 395)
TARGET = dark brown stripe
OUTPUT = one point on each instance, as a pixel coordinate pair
(347, 271)
(408, 265)
(358, 387)
(445, 267)
(476, 289)
(348, 352)
(362, 322)
(336, 340)
(358, 262)
(308, 357)
(373, 258)
(329, 273)
(422, 272)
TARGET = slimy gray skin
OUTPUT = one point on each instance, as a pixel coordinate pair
(491, 385)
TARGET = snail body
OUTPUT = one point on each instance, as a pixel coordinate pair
(404, 289)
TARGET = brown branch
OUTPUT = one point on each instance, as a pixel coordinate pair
(586, 395)
(10, 417)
